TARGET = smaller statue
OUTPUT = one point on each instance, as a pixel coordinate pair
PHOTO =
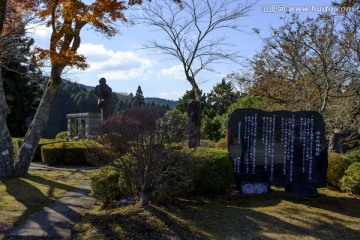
(104, 93)
(335, 144)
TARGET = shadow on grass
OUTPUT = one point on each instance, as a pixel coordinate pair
(31, 197)
(35, 200)
(266, 217)
(179, 228)
(349, 206)
(272, 216)
(52, 185)
(130, 225)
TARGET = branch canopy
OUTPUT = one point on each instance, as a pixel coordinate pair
(66, 19)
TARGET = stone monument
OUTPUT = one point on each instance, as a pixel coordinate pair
(82, 125)
(335, 144)
(194, 122)
(104, 93)
(281, 148)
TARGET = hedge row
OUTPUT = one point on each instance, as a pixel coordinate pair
(344, 171)
(213, 175)
(64, 153)
(37, 157)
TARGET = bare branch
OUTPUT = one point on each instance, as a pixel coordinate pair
(190, 29)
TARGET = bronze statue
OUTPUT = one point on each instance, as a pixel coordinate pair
(104, 93)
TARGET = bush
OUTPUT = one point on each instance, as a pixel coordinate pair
(16, 145)
(104, 183)
(37, 156)
(207, 143)
(61, 135)
(64, 153)
(353, 156)
(222, 144)
(215, 172)
(336, 168)
(350, 182)
(138, 146)
(214, 128)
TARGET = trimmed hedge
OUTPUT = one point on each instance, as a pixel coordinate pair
(104, 183)
(353, 156)
(205, 143)
(64, 153)
(222, 144)
(337, 164)
(215, 174)
(61, 136)
(16, 144)
(37, 157)
(350, 182)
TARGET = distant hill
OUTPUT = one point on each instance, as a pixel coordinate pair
(161, 101)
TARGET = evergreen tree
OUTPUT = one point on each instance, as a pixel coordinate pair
(139, 98)
(220, 98)
(182, 104)
(22, 85)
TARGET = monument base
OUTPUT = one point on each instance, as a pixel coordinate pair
(255, 188)
(302, 190)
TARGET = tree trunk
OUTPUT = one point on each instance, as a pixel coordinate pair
(6, 145)
(194, 126)
(38, 125)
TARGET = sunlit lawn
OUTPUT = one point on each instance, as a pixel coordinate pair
(333, 215)
(21, 197)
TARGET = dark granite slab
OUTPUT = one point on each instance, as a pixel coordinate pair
(278, 147)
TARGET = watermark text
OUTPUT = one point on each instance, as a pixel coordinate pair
(279, 8)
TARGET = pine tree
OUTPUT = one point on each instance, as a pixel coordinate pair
(139, 98)
(221, 97)
(22, 85)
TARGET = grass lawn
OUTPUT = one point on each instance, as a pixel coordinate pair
(333, 215)
(21, 197)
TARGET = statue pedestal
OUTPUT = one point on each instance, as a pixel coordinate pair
(82, 125)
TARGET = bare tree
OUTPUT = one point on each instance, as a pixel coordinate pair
(137, 146)
(312, 64)
(194, 31)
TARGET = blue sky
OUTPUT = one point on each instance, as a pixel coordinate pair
(125, 65)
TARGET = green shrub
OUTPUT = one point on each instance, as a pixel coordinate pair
(353, 156)
(16, 145)
(350, 182)
(337, 164)
(64, 153)
(37, 157)
(221, 144)
(207, 143)
(104, 183)
(215, 172)
(42, 142)
(61, 135)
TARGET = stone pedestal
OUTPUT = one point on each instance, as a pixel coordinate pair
(255, 188)
(82, 125)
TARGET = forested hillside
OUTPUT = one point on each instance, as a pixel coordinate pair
(78, 98)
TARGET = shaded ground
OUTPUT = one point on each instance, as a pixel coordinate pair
(22, 197)
(333, 215)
